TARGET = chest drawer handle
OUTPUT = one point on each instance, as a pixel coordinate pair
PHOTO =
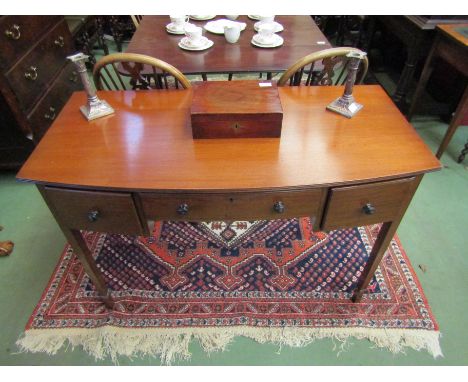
(14, 32)
(183, 209)
(279, 207)
(59, 42)
(31, 73)
(93, 215)
(52, 115)
(368, 209)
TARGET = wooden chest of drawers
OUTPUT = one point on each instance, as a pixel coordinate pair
(35, 81)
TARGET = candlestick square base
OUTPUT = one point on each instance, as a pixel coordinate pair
(96, 110)
(343, 107)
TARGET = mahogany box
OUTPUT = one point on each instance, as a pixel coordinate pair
(236, 109)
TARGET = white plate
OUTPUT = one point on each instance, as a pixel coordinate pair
(170, 29)
(207, 44)
(278, 41)
(253, 17)
(278, 26)
(201, 18)
(217, 26)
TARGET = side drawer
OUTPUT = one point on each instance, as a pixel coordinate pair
(19, 33)
(49, 106)
(95, 211)
(30, 76)
(233, 205)
(365, 204)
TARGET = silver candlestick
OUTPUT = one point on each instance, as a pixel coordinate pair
(346, 105)
(95, 108)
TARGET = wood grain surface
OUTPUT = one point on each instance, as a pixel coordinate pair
(301, 37)
(236, 109)
(452, 31)
(147, 145)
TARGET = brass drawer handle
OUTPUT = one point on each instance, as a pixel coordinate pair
(93, 215)
(73, 77)
(14, 32)
(31, 73)
(52, 115)
(279, 207)
(59, 42)
(183, 209)
(368, 209)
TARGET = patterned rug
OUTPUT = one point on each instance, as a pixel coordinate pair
(272, 281)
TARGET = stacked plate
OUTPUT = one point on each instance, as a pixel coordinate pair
(202, 44)
(175, 29)
(259, 41)
(277, 26)
(202, 17)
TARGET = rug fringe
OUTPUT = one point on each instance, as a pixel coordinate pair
(173, 343)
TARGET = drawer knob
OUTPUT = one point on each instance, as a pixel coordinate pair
(368, 209)
(183, 209)
(50, 115)
(59, 42)
(14, 32)
(279, 207)
(93, 215)
(31, 73)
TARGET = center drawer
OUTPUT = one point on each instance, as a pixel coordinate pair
(233, 205)
(95, 211)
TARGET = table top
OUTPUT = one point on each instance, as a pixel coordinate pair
(147, 145)
(301, 37)
(452, 30)
(429, 23)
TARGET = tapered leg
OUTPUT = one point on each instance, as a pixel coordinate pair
(386, 233)
(378, 250)
(78, 243)
(399, 97)
(80, 248)
(460, 113)
(426, 73)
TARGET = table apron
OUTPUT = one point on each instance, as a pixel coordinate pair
(131, 212)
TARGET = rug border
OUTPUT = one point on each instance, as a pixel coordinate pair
(171, 344)
(416, 280)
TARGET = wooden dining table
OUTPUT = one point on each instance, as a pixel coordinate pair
(301, 37)
(451, 46)
(141, 164)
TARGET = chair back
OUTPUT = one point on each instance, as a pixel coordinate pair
(125, 71)
(325, 67)
(136, 20)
